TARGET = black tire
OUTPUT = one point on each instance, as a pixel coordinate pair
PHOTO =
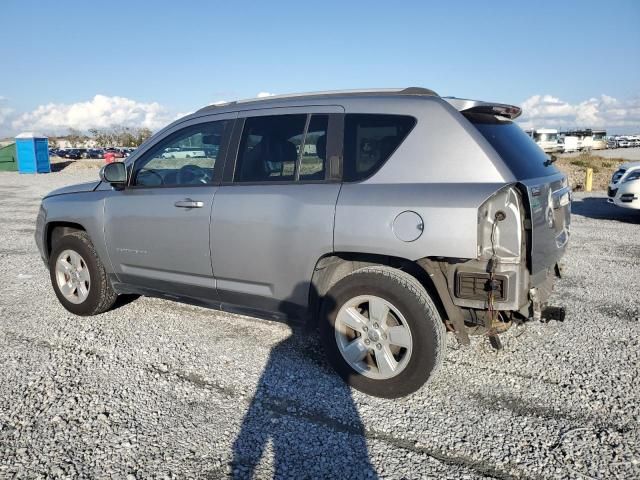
(101, 295)
(406, 294)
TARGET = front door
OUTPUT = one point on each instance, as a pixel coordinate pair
(157, 229)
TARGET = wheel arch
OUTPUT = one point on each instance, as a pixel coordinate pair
(331, 268)
(58, 229)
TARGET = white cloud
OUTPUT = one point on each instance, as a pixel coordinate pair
(602, 112)
(265, 94)
(99, 112)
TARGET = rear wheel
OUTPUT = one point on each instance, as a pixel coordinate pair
(381, 332)
(78, 276)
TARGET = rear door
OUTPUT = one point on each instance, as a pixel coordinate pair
(548, 193)
(273, 216)
(157, 229)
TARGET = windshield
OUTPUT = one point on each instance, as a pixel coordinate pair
(617, 175)
(546, 137)
(524, 158)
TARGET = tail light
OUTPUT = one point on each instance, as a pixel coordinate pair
(500, 222)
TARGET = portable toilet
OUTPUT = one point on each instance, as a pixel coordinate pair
(33, 153)
(8, 159)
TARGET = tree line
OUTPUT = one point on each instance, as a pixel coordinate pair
(117, 136)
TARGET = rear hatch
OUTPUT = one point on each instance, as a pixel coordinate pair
(544, 188)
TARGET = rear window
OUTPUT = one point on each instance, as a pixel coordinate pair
(369, 140)
(524, 158)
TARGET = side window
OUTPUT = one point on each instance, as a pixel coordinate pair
(369, 140)
(314, 154)
(188, 157)
(269, 148)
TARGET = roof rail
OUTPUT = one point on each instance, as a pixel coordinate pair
(329, 93)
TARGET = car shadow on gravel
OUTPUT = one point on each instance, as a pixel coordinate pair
(598, 208)
(59, 166)
(124, 299)
(305, 414)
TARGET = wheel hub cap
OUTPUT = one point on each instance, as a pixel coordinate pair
(72, 276)
(373, 337)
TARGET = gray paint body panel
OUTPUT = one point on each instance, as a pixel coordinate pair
(83, 208)
(366, 211)
(266, 239)
(148, 237)
(77, 188)
(550, 222)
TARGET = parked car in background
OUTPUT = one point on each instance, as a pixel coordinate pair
(73, 154)
(346, 209)
(612, 142)
(186, 152)
(624, 189)
(623, 142)
(95, 153)
(115, 151)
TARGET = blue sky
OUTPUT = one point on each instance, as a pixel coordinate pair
(179, 56)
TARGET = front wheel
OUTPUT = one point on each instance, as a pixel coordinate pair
(382, 332)
(78, 276)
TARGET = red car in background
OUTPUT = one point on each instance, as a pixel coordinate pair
(110, 155)
(116, 153)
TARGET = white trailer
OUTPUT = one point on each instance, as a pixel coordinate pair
(584, 140)
(570, 143)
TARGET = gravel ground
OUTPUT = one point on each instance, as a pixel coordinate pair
(156, 389)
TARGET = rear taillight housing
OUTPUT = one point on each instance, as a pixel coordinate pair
(500, 226)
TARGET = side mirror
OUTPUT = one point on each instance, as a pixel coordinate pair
(114, 173)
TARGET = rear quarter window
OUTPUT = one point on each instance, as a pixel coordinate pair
(369, 141)
(521, 154)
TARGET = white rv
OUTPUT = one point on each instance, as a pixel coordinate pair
(546, 138)
(599, 140)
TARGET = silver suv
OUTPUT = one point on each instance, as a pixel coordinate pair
(382, 217)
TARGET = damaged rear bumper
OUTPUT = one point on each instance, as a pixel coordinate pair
(513, 287)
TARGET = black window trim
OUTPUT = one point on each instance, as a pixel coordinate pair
(296, 167)
(217, 168)
(335, 147)
(334, 138)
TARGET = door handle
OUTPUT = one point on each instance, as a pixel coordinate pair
(188, 203)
